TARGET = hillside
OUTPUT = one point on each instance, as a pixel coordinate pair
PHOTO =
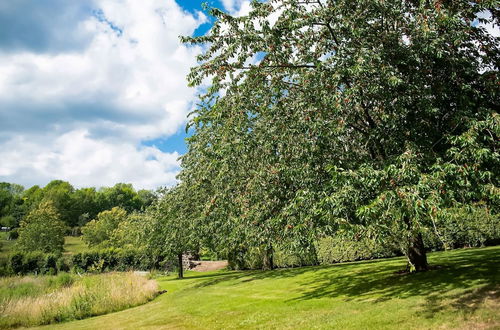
(462, 293)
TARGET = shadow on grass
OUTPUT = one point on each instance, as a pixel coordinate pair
(376, 281)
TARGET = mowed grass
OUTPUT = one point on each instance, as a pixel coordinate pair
(35, 300)
(462, 293)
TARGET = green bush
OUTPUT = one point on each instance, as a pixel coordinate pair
(253, 258)
(22, 263)
(16, 263)
(286, 259)
(113, 259)
(335, 249)
(63, 264)
(468, 226)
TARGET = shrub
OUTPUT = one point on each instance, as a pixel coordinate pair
(335, 249)
(467, 226)
(112, 259)
(284, 258)
(253, 258)
(21, 263)
(16, 263)
(50, 265)
(63, 264)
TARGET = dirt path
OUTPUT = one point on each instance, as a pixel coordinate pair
(206, 266)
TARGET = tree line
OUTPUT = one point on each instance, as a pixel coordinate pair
(75, 207)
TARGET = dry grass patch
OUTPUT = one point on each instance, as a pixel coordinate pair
(29, 301)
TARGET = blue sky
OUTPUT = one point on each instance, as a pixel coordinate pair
(94, 91)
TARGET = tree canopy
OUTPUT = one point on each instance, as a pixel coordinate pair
(347, 117)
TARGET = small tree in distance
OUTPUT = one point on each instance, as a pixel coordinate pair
(100, 230)
(42, 230)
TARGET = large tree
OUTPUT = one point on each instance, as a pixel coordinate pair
(346, 117)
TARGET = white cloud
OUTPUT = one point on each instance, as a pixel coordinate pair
(237, 7)
(86, 162)
(80, 114)
(493, 29)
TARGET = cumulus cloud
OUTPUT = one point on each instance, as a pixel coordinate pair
(237, 7)
(35, 26)
(84, 161)
(97, 80)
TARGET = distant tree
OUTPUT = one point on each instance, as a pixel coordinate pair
(121, 195)
(86, 205)
(42, 230)
(61, 193)
(132, 232)
(147, 197)
(10, 204)
(100, 230)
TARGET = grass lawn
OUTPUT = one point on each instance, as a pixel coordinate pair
(463, 293)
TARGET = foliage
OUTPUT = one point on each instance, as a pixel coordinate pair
(31, 301)
(100, 230)
(174, 229)
(336, 249)
(42, 230)
(114, 259)
(10, 204)
(341, 117)
(76, 206)
(22, 263)
(467, 226)
(131, 232)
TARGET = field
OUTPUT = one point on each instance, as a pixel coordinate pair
(462, 293)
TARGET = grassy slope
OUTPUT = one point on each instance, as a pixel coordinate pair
(463, 293)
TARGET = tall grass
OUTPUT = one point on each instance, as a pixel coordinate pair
(29, 301)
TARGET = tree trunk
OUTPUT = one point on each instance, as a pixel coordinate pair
(416, 254)
(268, 258)
(180, 266)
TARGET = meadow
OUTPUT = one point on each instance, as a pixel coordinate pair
(34, 300)
(462, 291)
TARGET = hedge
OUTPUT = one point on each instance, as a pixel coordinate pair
(113, 259)
(22, 263)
